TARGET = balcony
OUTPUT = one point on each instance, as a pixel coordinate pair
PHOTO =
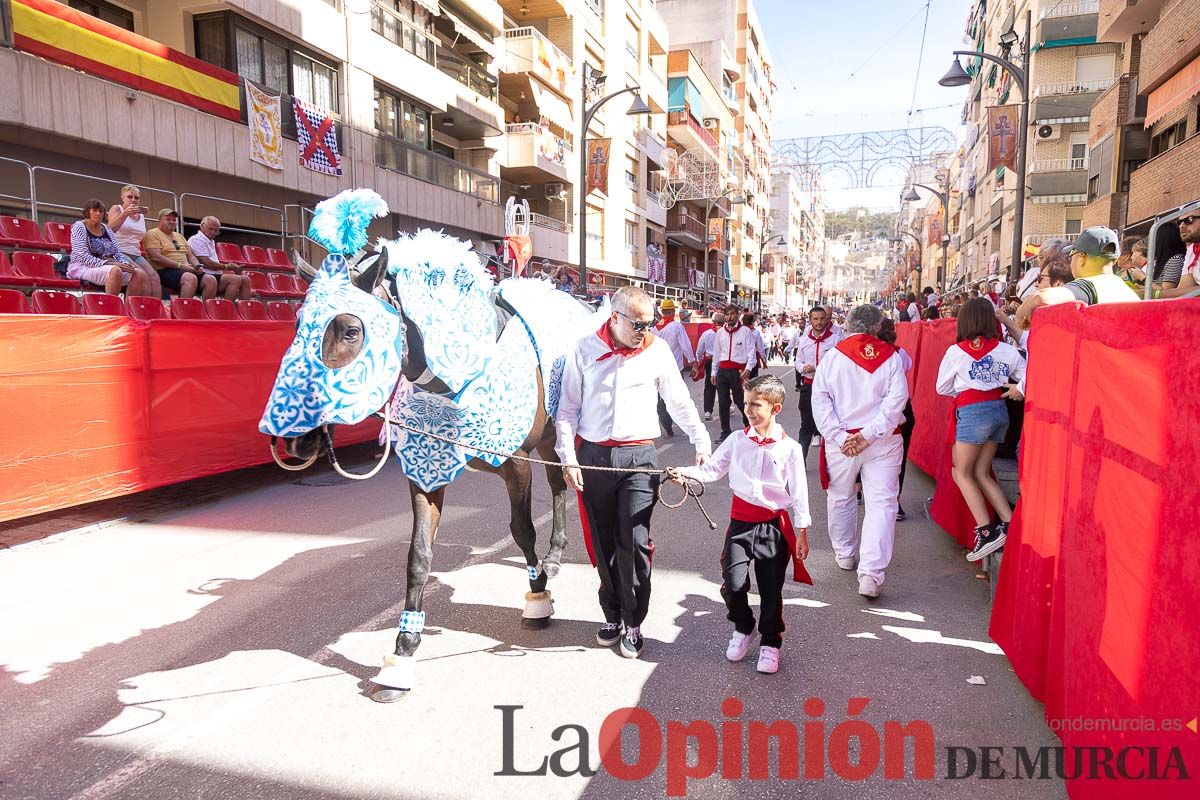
(1040, 239)
(686, 229)
(1060, 176)
(1120, 19)
(1067, 100)
(552, 238)
(653, 146)
(397, 156)
(1169, 46)
(529, 52)
(687, 130)
(553, 223)
(1164, 181)
(536, 155)
(469, 74)
(1059, 165)
(403, 34)
(1068, 23)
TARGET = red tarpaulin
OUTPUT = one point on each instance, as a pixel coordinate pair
(96, 407)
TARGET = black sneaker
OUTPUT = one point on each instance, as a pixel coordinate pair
(988, 540)
(609, 634)
(631, 643)
(900, 515)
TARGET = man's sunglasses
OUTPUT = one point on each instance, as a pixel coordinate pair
(1188, 220)
(637, 325)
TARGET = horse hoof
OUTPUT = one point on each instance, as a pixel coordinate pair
(551, 570)
(535, 624)
(389, 695)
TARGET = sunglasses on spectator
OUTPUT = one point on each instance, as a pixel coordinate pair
(1188, 220)
(637, 325)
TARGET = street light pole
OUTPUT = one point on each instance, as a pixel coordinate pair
(944, 198)
(958, 77)
(915, 238)
(594, 78)
(769, 240)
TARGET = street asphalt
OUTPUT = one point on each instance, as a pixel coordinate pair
(224, 650)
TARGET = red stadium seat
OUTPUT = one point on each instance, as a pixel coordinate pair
(187, 308)
(40, 267)
(280, 261)
(145, 309)
(252, 310)
(55, 303)
(281, 311)
(8, 277)
(58, 234)
(13, 302)
(103, 305)
(286, 285)
(229, 253)
(21, 232)
(257, 257)
(221, 309)
(261, 285)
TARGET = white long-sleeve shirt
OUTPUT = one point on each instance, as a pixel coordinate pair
(704, 345)
(847, 396)
(675, 335)
(960, 370)
(615, 398)
(809, 351)
(739, 345)
(769, 475)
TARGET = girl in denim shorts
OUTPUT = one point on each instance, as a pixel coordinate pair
(975, 373)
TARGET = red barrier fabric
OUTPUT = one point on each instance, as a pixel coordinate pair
(96, 407)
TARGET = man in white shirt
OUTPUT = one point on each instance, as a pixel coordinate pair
(811, 348)
(704, 357)
(1189, 231)
(609, 385)
(671, 331)
(735, 353)
(204, 248)
(859, 392)
(786, 334)
(760, 346)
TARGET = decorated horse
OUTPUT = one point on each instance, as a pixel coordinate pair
(468, 372)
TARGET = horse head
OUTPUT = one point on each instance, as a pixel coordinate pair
(348, 351)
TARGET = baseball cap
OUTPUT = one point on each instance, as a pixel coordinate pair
(1097, 241)
(167, 212)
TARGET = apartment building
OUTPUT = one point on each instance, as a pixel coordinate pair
(797, 263)
(727, 40)
(1069, 69)
(923, 222)
(1144, 153)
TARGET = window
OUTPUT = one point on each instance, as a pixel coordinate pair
(106, 12)
(631, 235)
(1162, 142)
(401, 118)
(407, 24)
(261, 60)
(314, 82)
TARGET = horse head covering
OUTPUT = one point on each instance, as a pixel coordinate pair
(308, 393)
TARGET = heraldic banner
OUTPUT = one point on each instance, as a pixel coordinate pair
(597, 164)
(1002, 136)
(317, 138)
(263, 120)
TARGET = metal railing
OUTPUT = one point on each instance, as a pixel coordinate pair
(1073, 87)
(31, 199)
(225, 200)
(683, 117)
(551, 222)
(1060, 10)
(425, 165)
(681, 223)
(76, 201)
(1042, 238)
(1059, 164)
(469, 74)
(403, 33)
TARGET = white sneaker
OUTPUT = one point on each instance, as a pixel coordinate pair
(708, 416)
(846, 562)
(868, 586)
(768, 660)
(739, 645)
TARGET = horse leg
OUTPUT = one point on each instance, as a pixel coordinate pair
(518, 479)
(560, 496)
(399, 668)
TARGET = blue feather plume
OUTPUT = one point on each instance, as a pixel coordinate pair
(340, 223)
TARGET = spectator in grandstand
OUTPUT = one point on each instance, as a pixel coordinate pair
(96, 257)
(204, 248)
(1092, 257)
(127, 220)
(1189, 234)
(169, 253)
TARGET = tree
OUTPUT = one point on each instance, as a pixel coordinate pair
(858, 219)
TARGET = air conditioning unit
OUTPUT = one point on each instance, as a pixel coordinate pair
(1048, 133)
(711, 122)
(556, 191)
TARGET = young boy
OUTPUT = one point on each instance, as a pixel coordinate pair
(766, 473)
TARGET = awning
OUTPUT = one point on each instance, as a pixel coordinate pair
(433, 6)
(467, 32)
(552, 106)
(1174, 93)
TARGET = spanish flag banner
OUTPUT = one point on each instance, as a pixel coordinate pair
(61, 34)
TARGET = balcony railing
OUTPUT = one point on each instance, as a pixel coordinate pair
(1041, 238)
(399, 156)
(631, 181)
(597, 7)
(1060, 164)
(1073, 87)
(547, 145)
(680, 223)
(686, 118)
(470, 75)
(543, 58)
(550, 222)
(1061, 10)
(403, 33)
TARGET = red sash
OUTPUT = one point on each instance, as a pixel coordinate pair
(628, 352)
(743, 511)
(866, 351)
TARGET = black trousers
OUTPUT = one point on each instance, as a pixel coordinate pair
(808, 423)
(710, 391)
(906, 432)
(761, 545)
(618, 507)
(729, 392)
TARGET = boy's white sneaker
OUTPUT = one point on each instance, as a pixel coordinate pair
(768, 660)
(739, 645)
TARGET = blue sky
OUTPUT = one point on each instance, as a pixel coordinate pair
(851, 65)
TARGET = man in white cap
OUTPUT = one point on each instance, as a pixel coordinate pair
(671, 331)
(858, 397)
